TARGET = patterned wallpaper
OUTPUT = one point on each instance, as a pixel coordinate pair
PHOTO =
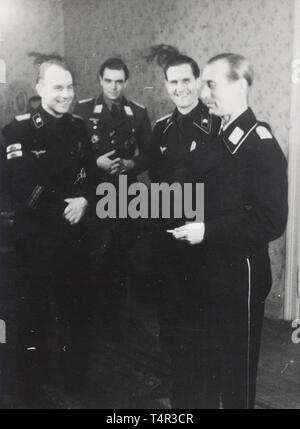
(91, 30)
(260, 29)
(98, 29)
(26, 25)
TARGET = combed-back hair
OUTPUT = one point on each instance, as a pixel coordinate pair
(44, 61)
(168, 56)
(114, 63)
(239, 66)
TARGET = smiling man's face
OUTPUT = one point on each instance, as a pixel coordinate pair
(182, 86)
(56, 90)
(218, 91)
(113, 83)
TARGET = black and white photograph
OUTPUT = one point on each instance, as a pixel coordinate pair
(149, 209)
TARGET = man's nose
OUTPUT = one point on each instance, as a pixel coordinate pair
(66, 93)
(180, 87)
(204, 92)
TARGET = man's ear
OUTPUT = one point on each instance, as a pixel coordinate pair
(198, 82)
(39, 89)
(169, 87)
(100, 81)
(125, 83)
(244, 85)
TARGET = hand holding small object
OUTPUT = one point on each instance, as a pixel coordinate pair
(191, 232)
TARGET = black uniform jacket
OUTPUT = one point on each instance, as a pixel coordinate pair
(128, 134)
(48, 160)
(245, 185)
(178, 141)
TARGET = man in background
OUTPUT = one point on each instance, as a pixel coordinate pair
(119, 131)
(33, 104)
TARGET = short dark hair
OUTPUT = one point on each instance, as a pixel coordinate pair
(239, 66)
(114, 63)
(180, 59)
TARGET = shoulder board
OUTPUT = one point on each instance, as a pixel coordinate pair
(77, 116)
(98, 108)
(163, 118)
(84, 100)
(137, 104)
(237, 137)
(22, 117)
(128, 110)
(263, 132)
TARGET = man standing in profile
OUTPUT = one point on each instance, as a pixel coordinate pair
(245, 208)
(50, 173)
(119, 131)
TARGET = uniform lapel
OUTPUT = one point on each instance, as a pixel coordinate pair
(201, 118)
(236, 134)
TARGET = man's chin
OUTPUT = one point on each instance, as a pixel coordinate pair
(63, 110)
(113, 97)
(183, 105)
(59, 112)
(213, 110)
(211, 107)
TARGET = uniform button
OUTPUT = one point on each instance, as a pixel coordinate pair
(112, 142)
(94, 127)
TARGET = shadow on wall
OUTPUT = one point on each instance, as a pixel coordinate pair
(2, 71)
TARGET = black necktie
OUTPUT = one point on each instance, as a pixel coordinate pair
(181, 121)
(114, 111)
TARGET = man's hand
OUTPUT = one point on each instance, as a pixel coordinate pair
(125, 165)
(75, 209)
(191, 232)
(110, 166)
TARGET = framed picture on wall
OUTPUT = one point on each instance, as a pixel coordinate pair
(19, 101)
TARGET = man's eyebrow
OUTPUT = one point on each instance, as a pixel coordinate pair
(207, 81)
